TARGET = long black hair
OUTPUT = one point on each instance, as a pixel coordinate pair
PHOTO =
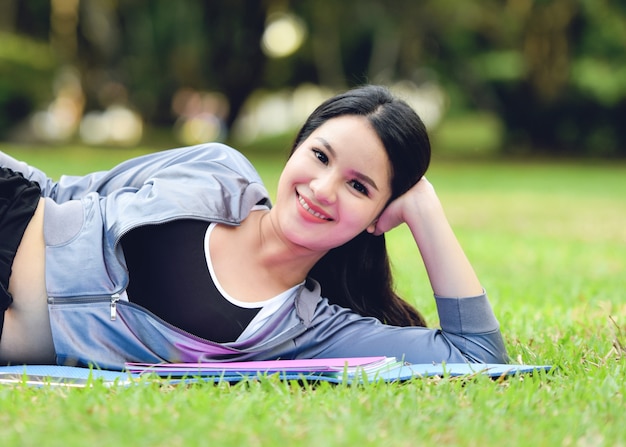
(357, 274)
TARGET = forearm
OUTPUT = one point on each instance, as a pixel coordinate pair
(449, 271)
(469, 333)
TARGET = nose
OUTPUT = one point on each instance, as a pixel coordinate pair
(324, 189)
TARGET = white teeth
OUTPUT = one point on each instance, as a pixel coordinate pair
(308, 208)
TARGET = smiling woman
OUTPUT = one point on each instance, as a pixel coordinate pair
(152, 254)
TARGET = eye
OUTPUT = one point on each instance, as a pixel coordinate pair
(360, 187)
(321, 156)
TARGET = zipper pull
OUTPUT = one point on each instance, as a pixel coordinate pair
(114, 299)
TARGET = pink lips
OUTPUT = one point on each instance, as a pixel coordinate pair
(312, 209)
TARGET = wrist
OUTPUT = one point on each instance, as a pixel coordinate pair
(424, 207)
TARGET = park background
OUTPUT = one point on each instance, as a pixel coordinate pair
(525, 101)
(489, 76)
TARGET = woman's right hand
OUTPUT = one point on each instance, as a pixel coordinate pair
(406, 206)
(449, 271)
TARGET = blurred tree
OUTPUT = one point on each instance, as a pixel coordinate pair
(153, 48)
(553, 71)
(8, 13)
(26, 62)
(235, 62)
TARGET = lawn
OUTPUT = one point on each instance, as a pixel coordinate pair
(548, 240)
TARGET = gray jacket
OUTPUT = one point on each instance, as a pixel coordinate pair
(86, 277)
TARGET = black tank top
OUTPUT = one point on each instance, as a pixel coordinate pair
(169, 276)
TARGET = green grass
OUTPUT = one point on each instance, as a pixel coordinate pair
(549, 243)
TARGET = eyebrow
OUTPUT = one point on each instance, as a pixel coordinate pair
(359, 175)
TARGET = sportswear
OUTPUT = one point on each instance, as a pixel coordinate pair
(86, 277)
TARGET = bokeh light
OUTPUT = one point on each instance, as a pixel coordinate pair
(200, 116)
(283, 35)
(117, 125)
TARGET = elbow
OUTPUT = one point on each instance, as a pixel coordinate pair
(487, 348)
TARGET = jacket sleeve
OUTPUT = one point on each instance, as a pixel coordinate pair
(133, 173)
(29, 172)
(469, 333)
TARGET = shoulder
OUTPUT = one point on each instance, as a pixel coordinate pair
(213, 150)
(219, 154)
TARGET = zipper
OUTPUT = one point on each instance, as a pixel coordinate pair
(113, 304)
(114, 299)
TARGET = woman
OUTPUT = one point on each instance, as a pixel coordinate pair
(178, 256)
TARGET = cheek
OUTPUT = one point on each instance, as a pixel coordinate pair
(361, 216)
(286, 178)
(281, 182)
(292, 170)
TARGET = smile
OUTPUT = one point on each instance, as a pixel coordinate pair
(312, 211)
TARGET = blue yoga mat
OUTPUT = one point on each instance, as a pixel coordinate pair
(53, 375)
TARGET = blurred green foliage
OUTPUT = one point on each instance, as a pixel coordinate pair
(26, 70)
(548, 75)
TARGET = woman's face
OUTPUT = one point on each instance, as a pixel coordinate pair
(334, 186)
